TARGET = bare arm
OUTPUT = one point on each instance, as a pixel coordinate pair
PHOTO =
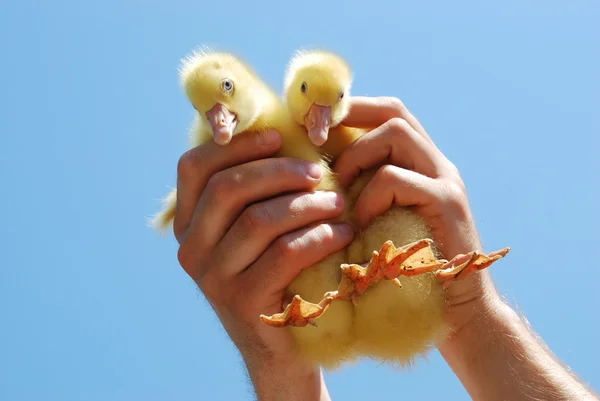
(497, 356)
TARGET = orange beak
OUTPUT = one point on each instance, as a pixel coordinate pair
(222, 122)
(317, 122)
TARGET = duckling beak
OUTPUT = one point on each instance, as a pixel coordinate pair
(222, 122)
(317, 122)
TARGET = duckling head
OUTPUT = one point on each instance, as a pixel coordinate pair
(224, 91)
(317, 92)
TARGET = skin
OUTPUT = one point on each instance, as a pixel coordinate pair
(275, 226)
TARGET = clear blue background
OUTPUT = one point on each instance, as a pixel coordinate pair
(93, 304)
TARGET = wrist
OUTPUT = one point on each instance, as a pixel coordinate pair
(285, 378)
(469, 346)
(470, 326)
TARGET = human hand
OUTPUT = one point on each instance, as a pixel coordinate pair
(493, 352)
(243, 242)
(414, 173)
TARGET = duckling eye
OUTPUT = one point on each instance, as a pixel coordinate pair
(341, 96)
(303, 87)
(227, 85)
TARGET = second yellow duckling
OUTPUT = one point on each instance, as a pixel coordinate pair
(390, 323)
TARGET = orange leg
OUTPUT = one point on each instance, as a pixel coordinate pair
(387, 263)
(298, 313)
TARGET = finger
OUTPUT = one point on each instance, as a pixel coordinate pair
(390, 186)
(394, 142)
(228, 192)
(371, 112)
(197, 165)
(291, 253)
(260, 224)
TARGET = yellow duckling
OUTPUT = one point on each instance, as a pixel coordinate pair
(231, 99)
(390, 323)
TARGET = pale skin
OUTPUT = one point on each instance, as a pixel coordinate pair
(230, 197)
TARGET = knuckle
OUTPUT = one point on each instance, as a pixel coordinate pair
(179, 228)
(386, 173)
(256, 218)
(186, 258)
(220, 185)
(187, 164)
(456, 191)
(395, 106)
(189, 260)
(193, 256)
(399, 126)
(458, 181)
(286, 248)
(183, 257)
(453, 168)
(458, 178)
(456, 197)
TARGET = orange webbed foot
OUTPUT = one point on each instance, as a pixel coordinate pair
(462, 266)
(412, 260)
(298, 313)
(387, 263)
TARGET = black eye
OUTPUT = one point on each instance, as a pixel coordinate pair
(303, 87)
(227, 85)
(341, 96)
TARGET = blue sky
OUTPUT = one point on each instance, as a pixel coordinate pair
(93, 304)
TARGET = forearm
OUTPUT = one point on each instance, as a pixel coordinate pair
(277, 381)
(497, 357)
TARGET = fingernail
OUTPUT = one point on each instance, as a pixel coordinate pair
(269, 137)
(345, 229)
(313, 170)
(335, 198)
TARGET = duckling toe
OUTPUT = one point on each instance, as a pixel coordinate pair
(298, 313)
(462, 266)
